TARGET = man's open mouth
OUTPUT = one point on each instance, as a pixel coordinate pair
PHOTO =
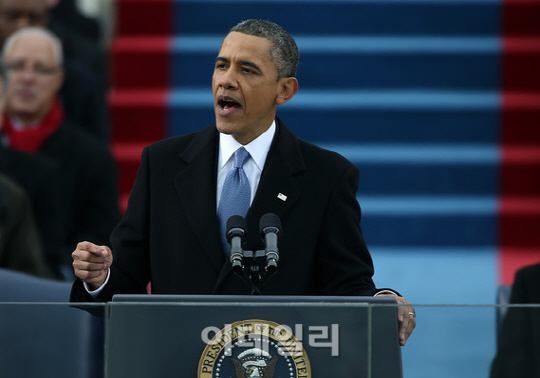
(227, 103)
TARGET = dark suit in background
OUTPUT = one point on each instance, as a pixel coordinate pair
(20, 244)
(170, 235)
(39, 176)
(518, 352)
(84, 91)
(88, 176)
(84, 100)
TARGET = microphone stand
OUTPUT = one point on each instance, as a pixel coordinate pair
(253, 276)
(270, 227)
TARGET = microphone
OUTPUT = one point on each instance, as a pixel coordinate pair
(270, 227)
(236, 232)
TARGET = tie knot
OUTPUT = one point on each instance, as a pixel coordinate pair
(240, 157)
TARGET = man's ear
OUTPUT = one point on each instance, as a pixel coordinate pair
(288, 87)
(60, 79)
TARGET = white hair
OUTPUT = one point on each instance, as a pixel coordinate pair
(34, 30)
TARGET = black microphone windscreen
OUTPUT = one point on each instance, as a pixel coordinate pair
(270, 220)
(236, 221)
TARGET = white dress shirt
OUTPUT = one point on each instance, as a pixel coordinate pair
(258, 150)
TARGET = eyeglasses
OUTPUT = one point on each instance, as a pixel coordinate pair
(39, 69)
(34, 18)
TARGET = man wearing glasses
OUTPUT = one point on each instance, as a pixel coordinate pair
(34, 122)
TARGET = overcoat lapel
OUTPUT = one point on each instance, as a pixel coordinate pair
(196, 187)
(278, 190)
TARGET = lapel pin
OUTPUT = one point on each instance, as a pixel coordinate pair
(282, 197)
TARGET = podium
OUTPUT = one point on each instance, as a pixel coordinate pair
(252, 336)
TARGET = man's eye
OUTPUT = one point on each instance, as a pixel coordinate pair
(19, 66)
(42, 70)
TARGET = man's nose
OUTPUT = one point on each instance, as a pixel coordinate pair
(229, 79)
(28, 74)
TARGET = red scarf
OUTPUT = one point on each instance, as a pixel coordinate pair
(30, 139)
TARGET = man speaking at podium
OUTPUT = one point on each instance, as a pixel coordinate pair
(248, 163)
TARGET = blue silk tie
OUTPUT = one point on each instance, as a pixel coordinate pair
(235, 195)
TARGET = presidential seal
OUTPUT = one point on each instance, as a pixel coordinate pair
(254, 348)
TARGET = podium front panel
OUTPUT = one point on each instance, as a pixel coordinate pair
(230, 337)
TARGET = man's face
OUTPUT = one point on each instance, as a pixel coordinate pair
(245, 86)
(16, 14)
(35, 77)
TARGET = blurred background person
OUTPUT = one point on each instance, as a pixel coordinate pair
(81, 36)
(66, 12)
(519, 340)
(34, 122)
(20, 244)
(39, 176)
(83, 92)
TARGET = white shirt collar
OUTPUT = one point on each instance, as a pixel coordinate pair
(257, 148)
(19, 125)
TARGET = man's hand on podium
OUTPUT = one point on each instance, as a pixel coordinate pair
(406, 318)
(91, 263)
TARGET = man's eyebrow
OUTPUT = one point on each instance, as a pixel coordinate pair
(250, 64)
(242, 62)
